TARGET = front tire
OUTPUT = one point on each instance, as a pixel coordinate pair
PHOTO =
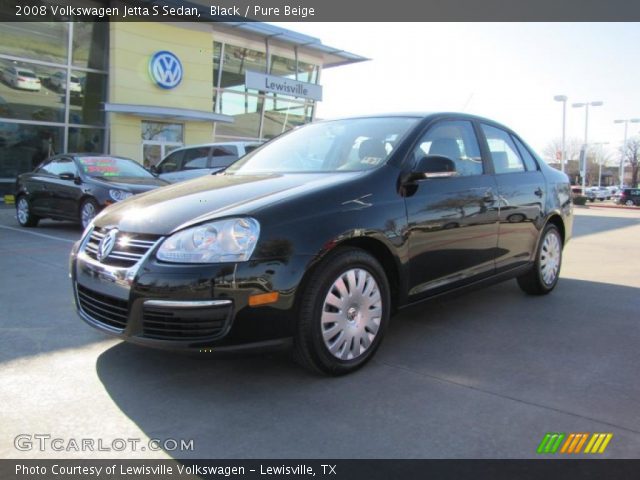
(23, 213)
(543, 276)
(88, 211)
(343, 313)
(629, 203)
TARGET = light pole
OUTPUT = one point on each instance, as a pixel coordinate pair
(583, 153)
(563, 99)
(624, 145)
(599, 159)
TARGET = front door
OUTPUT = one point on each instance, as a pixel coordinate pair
(453, 221)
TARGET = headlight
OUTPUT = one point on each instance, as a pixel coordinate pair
(229, 240)
(119, 195)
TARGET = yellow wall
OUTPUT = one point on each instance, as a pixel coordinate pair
(131, 46)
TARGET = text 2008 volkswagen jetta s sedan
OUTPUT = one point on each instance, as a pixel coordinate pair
(319, 235)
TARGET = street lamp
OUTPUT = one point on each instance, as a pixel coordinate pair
(626, 122)
(563, 99)
(583, 152)
(599, 159)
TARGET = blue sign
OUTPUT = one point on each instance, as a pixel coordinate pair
(165, 69)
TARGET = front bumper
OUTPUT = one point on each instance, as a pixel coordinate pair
(187, 307)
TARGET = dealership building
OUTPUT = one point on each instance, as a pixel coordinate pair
(140, 90)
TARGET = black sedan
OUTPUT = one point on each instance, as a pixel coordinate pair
(317, 237)
(77, 186)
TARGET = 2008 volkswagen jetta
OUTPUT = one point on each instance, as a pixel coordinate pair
(320, 235)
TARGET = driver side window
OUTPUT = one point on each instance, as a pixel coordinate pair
(455, 140)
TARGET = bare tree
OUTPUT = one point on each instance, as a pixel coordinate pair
(631, 153)
(573, 146)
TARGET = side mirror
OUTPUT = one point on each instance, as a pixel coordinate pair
(67, 176)
(434, 166)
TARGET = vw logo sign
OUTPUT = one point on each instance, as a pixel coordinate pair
(165, 69)
(106, 244)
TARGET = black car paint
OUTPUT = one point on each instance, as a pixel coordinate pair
(60, 198)
(304, 216)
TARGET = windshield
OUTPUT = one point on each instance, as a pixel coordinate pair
(111, 167)
(339, 145)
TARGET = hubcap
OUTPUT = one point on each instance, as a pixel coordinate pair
(351, 314)
(23, 210)
(87, 214)
(629, 203)
(550, 258)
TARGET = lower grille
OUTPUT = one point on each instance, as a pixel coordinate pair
(189, 324)
(104, 309)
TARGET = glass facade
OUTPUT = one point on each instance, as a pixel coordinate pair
(53, 81)
(258, 115)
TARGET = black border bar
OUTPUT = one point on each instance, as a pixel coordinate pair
(330, 10)
(547, 469)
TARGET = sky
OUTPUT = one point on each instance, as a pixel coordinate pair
(508, 72)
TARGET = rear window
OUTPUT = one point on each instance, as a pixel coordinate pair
(24, 73)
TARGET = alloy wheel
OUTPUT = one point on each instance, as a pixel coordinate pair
(23, 210)
(87, 214)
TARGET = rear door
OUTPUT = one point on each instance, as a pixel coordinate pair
(521, 194)
(453, 221)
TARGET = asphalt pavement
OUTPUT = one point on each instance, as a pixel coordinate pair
(483, 375)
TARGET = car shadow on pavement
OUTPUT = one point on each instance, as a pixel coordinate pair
(452, 371)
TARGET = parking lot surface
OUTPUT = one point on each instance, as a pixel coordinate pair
(484, 375)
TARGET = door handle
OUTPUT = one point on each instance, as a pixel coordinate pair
(539, 192)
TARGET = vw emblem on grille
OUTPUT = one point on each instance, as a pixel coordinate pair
(165, 69)
(106, 244)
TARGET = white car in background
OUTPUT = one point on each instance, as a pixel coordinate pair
(59, 81)
(194, 161)
(23, 78)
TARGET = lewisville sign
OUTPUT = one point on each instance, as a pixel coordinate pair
(282, 85)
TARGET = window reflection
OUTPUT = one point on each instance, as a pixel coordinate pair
(89, 140)
(23, 147)
(237, 61)
(87, 94)
(29, 92)
(45, 41)
(89, 45)
(246, 112)
(281, 115)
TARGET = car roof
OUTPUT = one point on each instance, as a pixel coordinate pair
(215, 144)
(427, 116)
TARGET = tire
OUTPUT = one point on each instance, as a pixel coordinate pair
(592, 199)
(87, 212)
(351, 287)
(543, 276)
(23, 213)
(629, 203)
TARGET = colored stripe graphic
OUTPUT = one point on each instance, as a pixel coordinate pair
(598, 443)
(550, 442)
(573, 442)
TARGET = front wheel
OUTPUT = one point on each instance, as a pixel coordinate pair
(88, 211)
(343, 313)
(629, 203)
(23, 213)
(543, 276)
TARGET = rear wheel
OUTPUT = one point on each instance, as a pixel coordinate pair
(343, 313)
(543, 277)
(629, 203)
(23, 213)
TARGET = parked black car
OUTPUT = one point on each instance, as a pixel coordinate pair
(321, 234)
(629, 197)
(76, 186)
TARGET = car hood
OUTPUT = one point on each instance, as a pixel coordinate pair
(130, 184)
(177, 206)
